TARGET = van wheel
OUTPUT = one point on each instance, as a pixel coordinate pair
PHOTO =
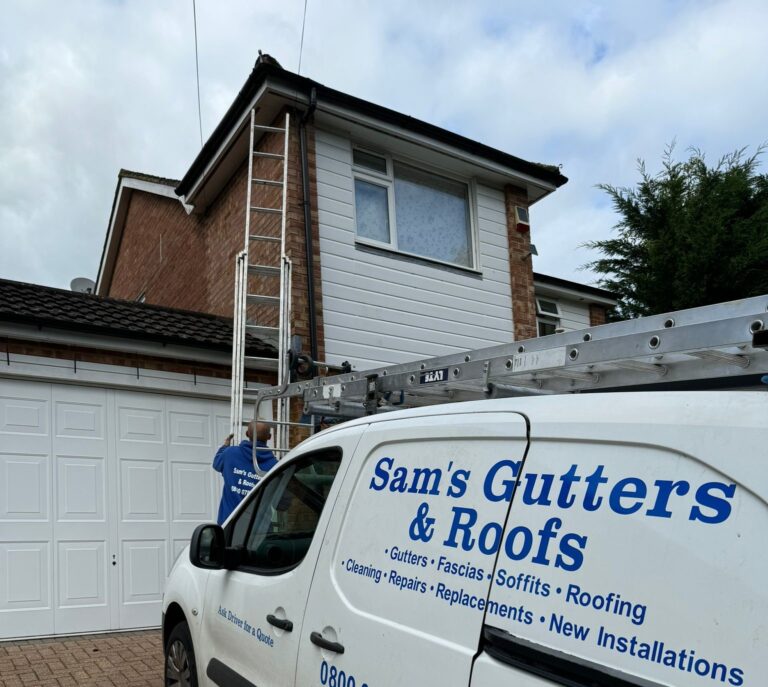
(180, 667)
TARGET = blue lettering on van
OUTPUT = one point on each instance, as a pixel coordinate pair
(709, 503)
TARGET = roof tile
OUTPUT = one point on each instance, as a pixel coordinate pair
(47, 306)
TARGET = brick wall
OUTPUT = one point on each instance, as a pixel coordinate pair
(146, 362)
(597, 314)
(161, 253)
(188, 261)
(520, 268)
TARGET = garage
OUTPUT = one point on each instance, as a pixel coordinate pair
(101, 491)
(108, 427)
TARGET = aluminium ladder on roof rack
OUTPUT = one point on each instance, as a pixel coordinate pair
(263, 260)
(719, 341)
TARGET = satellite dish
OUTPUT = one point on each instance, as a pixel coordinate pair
(83, 285)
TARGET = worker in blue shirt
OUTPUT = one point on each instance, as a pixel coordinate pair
(235, 463)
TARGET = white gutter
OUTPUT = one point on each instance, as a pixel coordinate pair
(121, 345)
(542, 288)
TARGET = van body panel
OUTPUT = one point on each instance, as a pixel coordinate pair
(406, 606)
(663, 507)
(235, 630)
(614, 539)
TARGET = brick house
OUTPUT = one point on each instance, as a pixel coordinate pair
(415, 241)
(112, 405)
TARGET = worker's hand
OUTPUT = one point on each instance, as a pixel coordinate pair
(228, 440)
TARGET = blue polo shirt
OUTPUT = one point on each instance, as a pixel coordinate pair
(235, 463)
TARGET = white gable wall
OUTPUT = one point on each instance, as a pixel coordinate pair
(382, 308)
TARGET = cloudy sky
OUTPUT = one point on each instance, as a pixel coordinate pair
(90, 86)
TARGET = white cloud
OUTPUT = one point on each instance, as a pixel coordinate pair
(87, 88)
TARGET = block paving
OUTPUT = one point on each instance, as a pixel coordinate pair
(126, 659)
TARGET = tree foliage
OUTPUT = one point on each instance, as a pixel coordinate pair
(691, 235)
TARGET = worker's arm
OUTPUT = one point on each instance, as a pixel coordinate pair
(218, 459)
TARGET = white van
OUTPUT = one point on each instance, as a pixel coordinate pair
(601, 539)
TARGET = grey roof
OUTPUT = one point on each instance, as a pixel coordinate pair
(46, 306)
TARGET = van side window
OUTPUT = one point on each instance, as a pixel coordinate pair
(276, 528)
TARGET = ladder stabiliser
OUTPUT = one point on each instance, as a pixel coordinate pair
(707, 343)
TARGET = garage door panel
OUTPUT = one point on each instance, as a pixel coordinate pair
(142, 486)
(145, 565)
(140, 427)
(191, 492)
(25, 595)
(190, 429)
(82, 589)
(80, 420)
(24, 490)
(81, 488)
(82, 573)
(24, 416)
(25, 568)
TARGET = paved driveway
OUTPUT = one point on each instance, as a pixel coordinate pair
(126, 659)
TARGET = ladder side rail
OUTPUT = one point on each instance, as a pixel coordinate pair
(238, 345)
(285, 293)
(239, 305)
(248, 201)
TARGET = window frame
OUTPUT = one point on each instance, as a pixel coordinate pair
(256, 495)
(546, 316)
(387, 181)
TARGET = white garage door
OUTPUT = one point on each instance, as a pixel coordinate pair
(99, 491)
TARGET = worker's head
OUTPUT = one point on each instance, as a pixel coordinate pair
(262, 430)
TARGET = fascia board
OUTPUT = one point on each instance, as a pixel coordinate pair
(119, 345)
(512, 175)
(59, 370)
(117, 222)
(189, 199)
(541, 289)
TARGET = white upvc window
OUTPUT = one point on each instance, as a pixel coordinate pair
(547, 316)
(408, 209)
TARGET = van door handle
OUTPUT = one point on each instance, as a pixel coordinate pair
(286, 625)
(318, 640)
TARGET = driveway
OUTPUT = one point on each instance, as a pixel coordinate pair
(125, 659)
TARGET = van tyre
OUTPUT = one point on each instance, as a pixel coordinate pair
(180, 666)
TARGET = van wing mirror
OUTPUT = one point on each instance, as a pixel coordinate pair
(208, 546)
(208, 549)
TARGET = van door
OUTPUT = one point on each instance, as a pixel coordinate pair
(638, 546)
(253, 613)
(404, 573)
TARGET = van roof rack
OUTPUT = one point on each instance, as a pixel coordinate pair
(713, 342)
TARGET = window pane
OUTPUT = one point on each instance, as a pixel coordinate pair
(549, 307)
(242, 522)
(432, 216)
(547, 328)
(372, 211)
(374, 162)
(288, 512)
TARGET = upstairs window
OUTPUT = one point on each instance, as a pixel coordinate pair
(410, 210)
(547, 316)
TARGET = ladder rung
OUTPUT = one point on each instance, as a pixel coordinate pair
(272, 211)
(260, 237)
(269, 363)
(271, 156)
(267, 270)
(282, 423)
(267, 182)
(276, 129)
(262, 329)
(253, 298)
